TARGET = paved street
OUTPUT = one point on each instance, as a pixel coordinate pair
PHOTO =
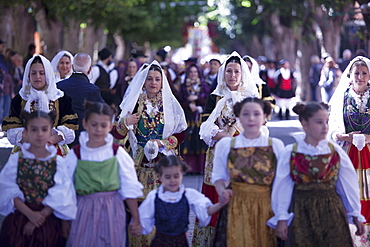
(283, 130)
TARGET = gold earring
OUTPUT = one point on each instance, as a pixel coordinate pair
(27, 89)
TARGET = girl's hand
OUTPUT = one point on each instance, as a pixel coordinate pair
(225, 196)
(132, 119)
(136, 228)
(360, 227)
(54, 139)
(282, 230)
(347, 137)
(36, 218)
(28, 229)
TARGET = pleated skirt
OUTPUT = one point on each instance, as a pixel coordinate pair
(100, 221)
(319, 217)
(48, 235)
(246, 217)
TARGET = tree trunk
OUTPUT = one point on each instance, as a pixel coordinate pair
(51, 31)
(120, 50)
(284, 39)
(23, 29)
(330, 27)
(5, 26)
(71, 37)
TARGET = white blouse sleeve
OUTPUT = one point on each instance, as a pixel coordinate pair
(8, 186)
(219, 171)
(130, 187)
(278, 147)
(70, 161)
(67, 134)
(113, 75)
(199, 203)
(95, 74)
(62, 196)
(146, 213)
(347, 187)
(282, 190)
(15, 135)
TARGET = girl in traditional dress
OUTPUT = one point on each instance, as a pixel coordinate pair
(39, 92)
(315, 192)
(168, 206)
(244, 168)
(234, 84)
(62, 65)
(192, 96)
(36, 191)
(104, 177)
(154, 123)
(349, 122)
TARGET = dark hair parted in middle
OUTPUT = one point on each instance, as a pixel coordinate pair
(168, 161)
(265, 105)
(306, 111)
(98, 108)
(233, 59)
(155, 68)
(27, 116)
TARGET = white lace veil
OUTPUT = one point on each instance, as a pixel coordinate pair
(247, 88)
(30, 94)
(255, 72)
(174, 117)
(336, 122)
(55, 61)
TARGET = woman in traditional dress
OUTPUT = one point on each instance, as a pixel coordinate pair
(193, 95)
(39, 92)
(62, 65)
(234, 84)
(155, 125)
(349, 124)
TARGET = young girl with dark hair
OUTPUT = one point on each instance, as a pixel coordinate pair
(36, 191)
(244, 168)
(104, 177)
(167, 207)
(315, 188)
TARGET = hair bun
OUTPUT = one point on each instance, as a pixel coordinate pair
(299, 108)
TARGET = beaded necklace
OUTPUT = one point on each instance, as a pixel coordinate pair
(152, 110)
(360, 99)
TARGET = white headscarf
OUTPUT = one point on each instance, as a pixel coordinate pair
(174, 117)
(255, 72)
(247, 88)
(336, 122)
(55, 62)
(30, 94)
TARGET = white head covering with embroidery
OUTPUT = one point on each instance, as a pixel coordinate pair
(247, 88)
(43, 97)
(55, 62)
(174, 117)
(336, 122)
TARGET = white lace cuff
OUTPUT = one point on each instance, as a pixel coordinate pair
(359, 141)
(67, 134)
(15, 135)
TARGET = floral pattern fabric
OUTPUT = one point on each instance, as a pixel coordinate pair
(252, 165)
(315, 169)
(35, 177)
